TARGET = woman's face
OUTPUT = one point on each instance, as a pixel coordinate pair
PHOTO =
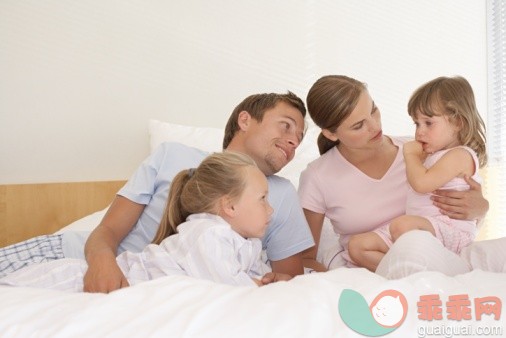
(362, 129)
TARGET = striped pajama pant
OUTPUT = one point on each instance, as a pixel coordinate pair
(35, 250)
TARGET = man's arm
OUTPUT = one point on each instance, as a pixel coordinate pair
(291, 265)
(469, 204)
(315, 221)
(104, 274)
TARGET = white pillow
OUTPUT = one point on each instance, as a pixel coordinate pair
(87, 223)
(204, 138)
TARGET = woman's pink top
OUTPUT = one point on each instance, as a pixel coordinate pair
(354, 202)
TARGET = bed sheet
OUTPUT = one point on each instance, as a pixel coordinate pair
(307, 306)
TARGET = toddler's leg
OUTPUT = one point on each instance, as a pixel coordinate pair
(403, 224)
(367, 250)
(35, 250)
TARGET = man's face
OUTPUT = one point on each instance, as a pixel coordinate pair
(272, 142)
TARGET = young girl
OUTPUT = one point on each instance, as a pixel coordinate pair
(210, 229)
(450, 144)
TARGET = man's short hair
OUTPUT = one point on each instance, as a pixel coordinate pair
(256, 105)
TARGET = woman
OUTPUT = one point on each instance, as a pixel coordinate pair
(359, 181)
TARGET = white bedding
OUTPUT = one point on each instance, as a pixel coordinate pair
(307, 306)
(178, 306)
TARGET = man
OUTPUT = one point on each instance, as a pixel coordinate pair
(267, 127)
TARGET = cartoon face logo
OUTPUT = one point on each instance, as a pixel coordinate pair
(389, 308)
(385, 314)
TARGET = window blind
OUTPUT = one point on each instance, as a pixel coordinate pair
(495, 173)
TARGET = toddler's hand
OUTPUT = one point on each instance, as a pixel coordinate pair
(413, 148)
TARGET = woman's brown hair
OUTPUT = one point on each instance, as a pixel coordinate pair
(330, 101)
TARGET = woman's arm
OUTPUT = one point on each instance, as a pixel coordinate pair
(469, 204)
(315, 221)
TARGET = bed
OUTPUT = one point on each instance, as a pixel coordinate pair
(338, 303)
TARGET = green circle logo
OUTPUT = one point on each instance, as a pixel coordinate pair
(385, 314)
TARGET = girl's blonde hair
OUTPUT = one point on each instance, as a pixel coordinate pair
(455, 98)
(330, 101)
(199, 189)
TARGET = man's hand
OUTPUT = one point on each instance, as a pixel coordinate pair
(104, 274)
(104, 277)
(273, 277)
(468, 205)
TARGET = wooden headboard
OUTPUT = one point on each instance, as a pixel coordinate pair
(28, 210)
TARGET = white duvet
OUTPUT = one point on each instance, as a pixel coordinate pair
(307, 306)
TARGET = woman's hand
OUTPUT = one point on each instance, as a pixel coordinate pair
(468, 205)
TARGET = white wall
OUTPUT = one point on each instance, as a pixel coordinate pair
(80, 79)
